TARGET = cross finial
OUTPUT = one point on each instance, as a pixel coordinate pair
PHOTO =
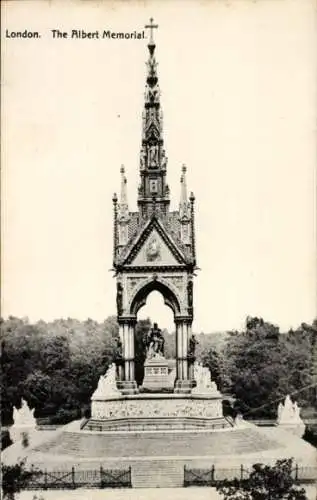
(151, 26)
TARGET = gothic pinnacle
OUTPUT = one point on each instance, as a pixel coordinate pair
(123, 194)
(183, 200)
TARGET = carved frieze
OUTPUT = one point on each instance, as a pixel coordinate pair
(196, 408)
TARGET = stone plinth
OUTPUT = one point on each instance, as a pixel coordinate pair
(156, 377)
(296, 429)
(22, 432)
(211, 390)
(157, 411)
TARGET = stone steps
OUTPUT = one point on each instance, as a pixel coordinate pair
(156, 444)
(160, 424)
(157, 474)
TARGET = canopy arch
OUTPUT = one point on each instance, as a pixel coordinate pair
(169, 296)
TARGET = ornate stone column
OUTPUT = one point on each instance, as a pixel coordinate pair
(127, 384)
(183, 327)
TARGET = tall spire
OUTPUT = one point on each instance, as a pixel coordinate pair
(153, 160)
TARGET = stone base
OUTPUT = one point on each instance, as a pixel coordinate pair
(183, 387)
(201, 391)
(156, 377)
(18, 433)
(296, 429)
(157, 411)
(128, 387)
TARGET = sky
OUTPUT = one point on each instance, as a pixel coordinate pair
(238, 83)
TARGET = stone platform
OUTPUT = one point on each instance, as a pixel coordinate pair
(157, 411)
(159, 433)
(225, 448)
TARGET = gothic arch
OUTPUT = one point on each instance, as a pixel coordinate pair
(169, 296)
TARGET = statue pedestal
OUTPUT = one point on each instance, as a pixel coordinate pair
(100, 395)
(156, 411)
(18, 432)
(183, 387)
(298, 429)
(156, 374)
(206, 391)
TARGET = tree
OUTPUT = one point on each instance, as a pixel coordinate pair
(253, 364)
(296, 366)
(214, 361)
(264, 483)
(37, 389)
(14, 479)
(170, 344)
(142, 328)
(20, 351)
(260, 366)
(5, 439)
(55, 366)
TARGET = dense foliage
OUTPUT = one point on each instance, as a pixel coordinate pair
(141, 330)
(261, 365)
(14, 479)
(5, 439)
(264, 483)
(55, 366)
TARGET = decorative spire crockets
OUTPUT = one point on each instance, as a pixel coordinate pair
(153, 160)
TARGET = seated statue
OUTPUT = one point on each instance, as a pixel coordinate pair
(154, 342)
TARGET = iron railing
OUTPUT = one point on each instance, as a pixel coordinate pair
(213, 475)
(72, 479)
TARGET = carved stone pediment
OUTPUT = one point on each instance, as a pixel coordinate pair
(153, 247)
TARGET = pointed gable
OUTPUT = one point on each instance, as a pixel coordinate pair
(153, 247)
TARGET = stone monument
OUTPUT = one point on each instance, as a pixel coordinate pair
(156, 375)
(288, 417)
(107, 386)
(203, 380)
(155, 250)
(24, 422)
